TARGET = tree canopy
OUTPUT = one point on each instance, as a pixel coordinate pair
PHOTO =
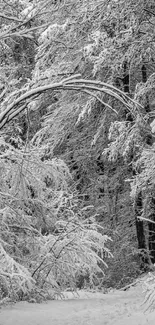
(77, 85)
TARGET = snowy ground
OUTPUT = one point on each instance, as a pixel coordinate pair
(115, 308)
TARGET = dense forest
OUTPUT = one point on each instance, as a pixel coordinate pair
(77, 158)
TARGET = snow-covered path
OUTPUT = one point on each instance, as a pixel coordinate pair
(115, 308)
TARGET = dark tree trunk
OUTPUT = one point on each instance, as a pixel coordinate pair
(144, 73)
(140, 233)
(126, 88)
(139, 200)
(126, 78)
(151, 227)
(144, 79)
(152, 239)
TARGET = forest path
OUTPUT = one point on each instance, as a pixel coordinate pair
(115, 308)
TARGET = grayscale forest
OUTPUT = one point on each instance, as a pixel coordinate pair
(77, 149)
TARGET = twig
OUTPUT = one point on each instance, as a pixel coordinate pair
(25, 228)
(10, 18)
(149, 11)
(129, 285)
(93, 95)
(145, 219)
(22, 33)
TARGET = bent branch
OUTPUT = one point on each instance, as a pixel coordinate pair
(90, 87)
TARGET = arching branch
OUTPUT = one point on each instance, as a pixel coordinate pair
(91, 87)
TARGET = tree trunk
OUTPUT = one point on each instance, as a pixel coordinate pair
(126, 89)
(126, 78)
(140, 233)
(151, 227)
(144, 79)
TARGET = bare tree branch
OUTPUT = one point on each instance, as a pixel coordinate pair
(22, 33)
(149, 11)
(145, 219)
(10, 18)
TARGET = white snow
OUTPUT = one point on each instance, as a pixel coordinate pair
(115, 308)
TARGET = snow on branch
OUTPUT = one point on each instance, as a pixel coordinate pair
(10, 18)
(13, 274)
(72, 83)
